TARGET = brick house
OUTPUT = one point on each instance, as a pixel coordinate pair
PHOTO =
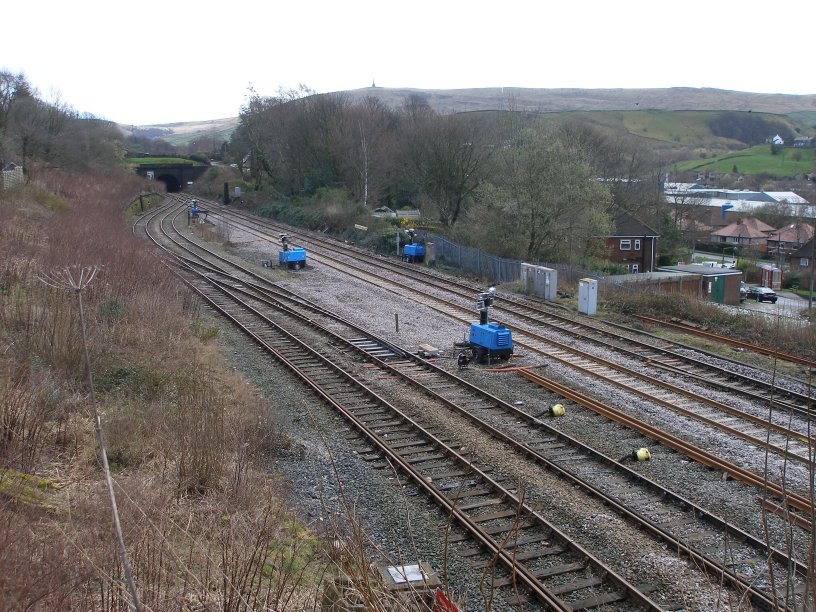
(632, 243)
(801, 260)
(784, 241)
(744, 232)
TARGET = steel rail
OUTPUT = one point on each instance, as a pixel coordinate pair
(429, 277)
(480, 535)
(463, 314)
(657, 359)
(790, 498)
(756, 348)
(550, 347)
(656, 530)
(719, 569)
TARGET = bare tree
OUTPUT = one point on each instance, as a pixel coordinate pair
(450, 156)
(256, 136)
(689, 211)
(371, 124)
(13, 88)
(295, 138)
(28, 129)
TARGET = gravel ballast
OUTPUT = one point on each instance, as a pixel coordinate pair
(318, 450)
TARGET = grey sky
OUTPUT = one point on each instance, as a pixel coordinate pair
(160, 62)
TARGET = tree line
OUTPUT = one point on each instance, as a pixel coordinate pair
(35, 132)
(517, 184)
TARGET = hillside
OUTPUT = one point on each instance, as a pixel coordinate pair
(184, 132)
(553, 100)
(801, 108)
(756, 160)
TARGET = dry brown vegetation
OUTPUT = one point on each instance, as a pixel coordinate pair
(186, 437)
(774, 332)
(205, 525)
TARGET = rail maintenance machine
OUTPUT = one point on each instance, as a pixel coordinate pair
(292, 257)
(489, 341)
(413, 251)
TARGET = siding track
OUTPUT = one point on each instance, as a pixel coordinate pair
(504, 529)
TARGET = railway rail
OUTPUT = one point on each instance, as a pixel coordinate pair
(703, 333)
(794, 444)
(553, 443)
(652, 351)
(531, 556)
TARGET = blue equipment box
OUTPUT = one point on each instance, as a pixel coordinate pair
(415, 251)
(492, 336)
(293, 255)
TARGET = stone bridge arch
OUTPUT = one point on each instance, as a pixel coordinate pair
(174, 176)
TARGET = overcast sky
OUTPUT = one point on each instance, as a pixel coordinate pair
(153, 62)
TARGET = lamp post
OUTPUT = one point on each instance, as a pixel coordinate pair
(733, 250)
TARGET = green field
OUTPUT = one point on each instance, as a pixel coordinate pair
(677, 127)
(758, 160)
(680, 128)
(805, 117)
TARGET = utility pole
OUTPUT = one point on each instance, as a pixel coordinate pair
(812, 263)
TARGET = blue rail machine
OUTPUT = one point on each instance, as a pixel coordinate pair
(292, 257)
(413, 251)
(489, 340)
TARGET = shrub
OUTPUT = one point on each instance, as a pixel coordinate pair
(127, 436)
(791, 338)
(666, 259)
(204, 332)
(329, 209)
(110, 311)
(792, 281)
(197, 426)
(26, 424)
(201, 158)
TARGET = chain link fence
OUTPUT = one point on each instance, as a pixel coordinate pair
(492, 268)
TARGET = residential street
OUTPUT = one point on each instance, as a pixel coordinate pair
(788, 305)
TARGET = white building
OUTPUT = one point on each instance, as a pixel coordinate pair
(735, 200)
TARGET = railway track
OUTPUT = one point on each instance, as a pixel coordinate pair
(794, 444)
(653, 352)
(703, 333)
(528, 555)
(550, 448)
